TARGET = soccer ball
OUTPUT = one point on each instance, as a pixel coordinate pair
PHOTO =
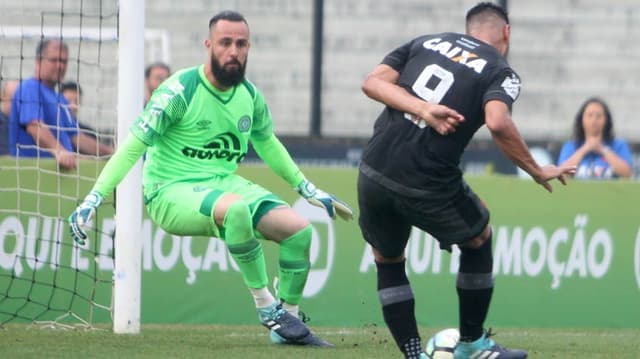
(442, 344)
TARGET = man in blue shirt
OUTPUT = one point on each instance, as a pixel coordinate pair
(41, 123)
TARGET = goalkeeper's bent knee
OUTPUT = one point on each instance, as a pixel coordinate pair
(237, 225)
(296, 247)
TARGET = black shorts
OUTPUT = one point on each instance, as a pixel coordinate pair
(386, 217)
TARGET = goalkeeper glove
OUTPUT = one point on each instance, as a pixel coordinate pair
(82, 216)
(322, 199)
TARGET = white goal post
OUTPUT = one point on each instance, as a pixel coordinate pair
(128, 218)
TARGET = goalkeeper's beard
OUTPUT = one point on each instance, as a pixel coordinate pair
(226, 77)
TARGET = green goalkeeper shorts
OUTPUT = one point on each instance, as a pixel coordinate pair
(185, 208)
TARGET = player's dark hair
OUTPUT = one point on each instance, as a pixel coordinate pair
(486, 8)
(155, 65)
(42, 46)
(228, 15)
(71, 85)
(578, 129)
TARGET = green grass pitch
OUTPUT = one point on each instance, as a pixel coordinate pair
(214, 341)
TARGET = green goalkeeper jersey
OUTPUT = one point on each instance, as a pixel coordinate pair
(195, 131)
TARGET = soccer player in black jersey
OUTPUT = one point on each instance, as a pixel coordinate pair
(410, 176)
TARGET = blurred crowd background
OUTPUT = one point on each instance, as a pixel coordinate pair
(564, 50)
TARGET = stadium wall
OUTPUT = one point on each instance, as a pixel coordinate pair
(567, 259)
(564, 50)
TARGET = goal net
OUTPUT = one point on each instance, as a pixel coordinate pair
(45, 278)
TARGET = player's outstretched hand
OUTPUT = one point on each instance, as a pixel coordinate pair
(82, 215)
(442, 119)
(322, 199)
(550, 172)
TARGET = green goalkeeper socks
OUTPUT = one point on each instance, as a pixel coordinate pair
(248, 254)
(244, 248)
(294, 266)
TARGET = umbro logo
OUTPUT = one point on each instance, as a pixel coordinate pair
(203, 124)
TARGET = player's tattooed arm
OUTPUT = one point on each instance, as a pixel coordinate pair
(381, 85)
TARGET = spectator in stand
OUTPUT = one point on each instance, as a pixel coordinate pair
(41, 124)
(594, 149)
(72, 91)
(7, 89)
(154, 75)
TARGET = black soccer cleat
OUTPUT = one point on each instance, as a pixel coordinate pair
(485, 347)
(279, 321)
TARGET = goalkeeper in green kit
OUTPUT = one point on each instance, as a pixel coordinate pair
(195, 131)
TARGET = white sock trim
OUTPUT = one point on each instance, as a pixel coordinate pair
(293, 309)
(262, 297)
